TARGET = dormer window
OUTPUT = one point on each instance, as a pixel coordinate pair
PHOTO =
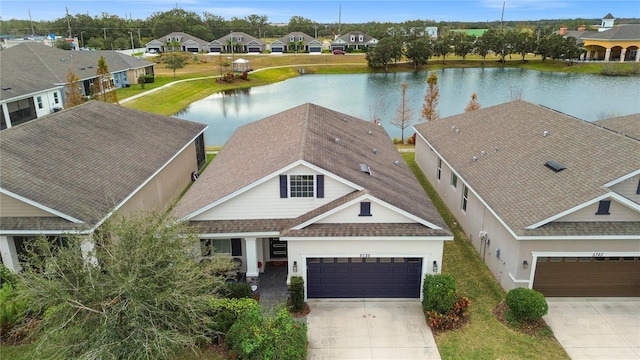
(301, 38)
(168, 39)
(361, 38)
(291, 38)
(353, 38)
(239, 38)
(603, 207)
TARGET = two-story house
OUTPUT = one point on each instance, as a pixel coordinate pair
(236, 42)
(325, 193)
(355, 40)
(69, 171)
(296, 41)
(550, 202)
(177, 41)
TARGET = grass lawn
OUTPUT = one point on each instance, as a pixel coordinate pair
(483, 337)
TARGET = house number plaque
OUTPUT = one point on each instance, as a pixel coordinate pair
(365, 255)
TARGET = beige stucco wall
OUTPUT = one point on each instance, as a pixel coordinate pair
(617, 212)
(164, 188)
(628, 188)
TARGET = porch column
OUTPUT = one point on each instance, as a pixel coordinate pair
(252, 257)
(638, 55)
(9, 253)
(5, 112)
(607, 54)
(588, 56)
(623, 52)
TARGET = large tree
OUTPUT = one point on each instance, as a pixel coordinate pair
(138, 294)
(404, 113)
(418, 51)
(430, 106)
(104, 87)
(174, 61)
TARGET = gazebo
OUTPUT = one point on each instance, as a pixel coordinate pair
(241, 65)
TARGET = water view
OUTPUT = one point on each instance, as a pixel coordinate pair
(585, 96)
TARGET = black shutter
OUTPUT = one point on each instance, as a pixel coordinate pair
(603, 207)
(320, 186)
(236, 247)
(365, 208)
(283, 186)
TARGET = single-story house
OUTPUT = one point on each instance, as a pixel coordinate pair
(236, 42)
(325, 193)
(177, 41)
(355, 40)
(34, 78)
(296, 41)
(69, 171)
(550, 202)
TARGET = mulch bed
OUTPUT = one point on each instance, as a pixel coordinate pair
(302, 313)
(459, 325)
(536, 328)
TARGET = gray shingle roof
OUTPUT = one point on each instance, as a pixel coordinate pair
(85, 160)
(627, 125)
(308, 132)
(512, 177)
(618, 32)
(33, 67)
(184, 37)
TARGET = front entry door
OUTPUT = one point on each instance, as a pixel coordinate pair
(277, 249)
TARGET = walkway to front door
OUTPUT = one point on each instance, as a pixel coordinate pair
(272, 285)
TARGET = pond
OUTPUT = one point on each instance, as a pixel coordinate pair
(585, 96)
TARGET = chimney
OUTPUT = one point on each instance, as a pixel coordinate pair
(581, 27)
(563, 31)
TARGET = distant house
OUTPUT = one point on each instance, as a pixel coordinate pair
(332, 199)
(610, 42)
(550, 202)
(177, 41)
(67, 172)
(34, 77)
(296, 41)
(354, 40)
(237, 42)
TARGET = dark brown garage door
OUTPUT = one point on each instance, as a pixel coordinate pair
(588, 276)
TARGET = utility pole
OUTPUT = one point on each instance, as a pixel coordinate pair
(31, 21)
(139, 39)
(104, 31)
(68, 22)
(132, 47)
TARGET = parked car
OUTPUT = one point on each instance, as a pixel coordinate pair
(338, 52)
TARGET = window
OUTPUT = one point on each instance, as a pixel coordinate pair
(55, 98)
(361, 38)
(300, 38)
(215, 246)
(439, 174)
(353, 38)
(365, 208)
(39, 99)
(454, 180)
(301, 186)
(291, 38)
(603, 207)
(465, 198)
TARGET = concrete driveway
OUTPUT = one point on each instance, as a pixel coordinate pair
(369, 329)
(596, 328)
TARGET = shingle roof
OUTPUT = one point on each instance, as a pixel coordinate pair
(184, 37)
(296, 34)
(512, 177)
(246, 38)
(33, 67)
(85, 160)
(628, 125)
(618, 32)
(308, 132)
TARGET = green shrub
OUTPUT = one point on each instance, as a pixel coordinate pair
(148, 79)
(12, 310)
(526, 304)
(225, 312)
(238, 290)
(439, 293)
(297, 293)
(255, 336)
(7, 276)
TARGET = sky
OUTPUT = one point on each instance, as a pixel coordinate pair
(353, 11)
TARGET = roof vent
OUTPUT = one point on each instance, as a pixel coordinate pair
(6, 88)
(483, 153)
(397, 162)
(545, 133)
(375, 151)
(453, 127)
(337, 140)
(457, 130)
(554, 165)
(370, 132)
(474, 159)
(497, 149)
(365, 169)
(344, 119)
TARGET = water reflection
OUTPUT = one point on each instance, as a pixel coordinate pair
(587, 97)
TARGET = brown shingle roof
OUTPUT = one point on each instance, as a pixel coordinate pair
(308, 132)
(512, 177)
(85, 160)
(628, 125)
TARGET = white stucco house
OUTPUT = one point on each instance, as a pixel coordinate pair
(550, 202)
(325, 193)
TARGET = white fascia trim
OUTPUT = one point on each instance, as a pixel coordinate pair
(537, 254)
(370, 238)
(611, 194)
(484, 203)
(239, 235)
(41, 207)
(267, 178)
(372, 199)
(43, 232)
(583, 237)
(623, 178)
(134, 192)
(33, 94)
(518, 281)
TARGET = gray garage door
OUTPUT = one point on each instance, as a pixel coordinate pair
(588, 276)
(364, 277)
(314, 49)
(276, 49)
